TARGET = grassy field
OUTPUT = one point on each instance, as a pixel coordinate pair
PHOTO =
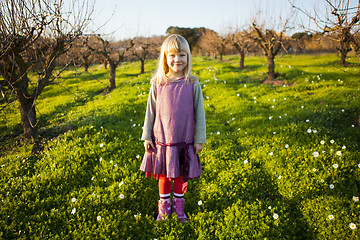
(281, 162)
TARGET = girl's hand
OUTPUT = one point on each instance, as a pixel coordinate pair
(198, 147)
(149, 146)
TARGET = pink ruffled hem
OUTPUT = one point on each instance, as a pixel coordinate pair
(165, 161)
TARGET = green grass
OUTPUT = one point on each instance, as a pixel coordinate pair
(261, 179)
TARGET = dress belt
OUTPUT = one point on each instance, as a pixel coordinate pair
(184, 154)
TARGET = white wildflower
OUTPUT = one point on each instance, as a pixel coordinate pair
(353, 226)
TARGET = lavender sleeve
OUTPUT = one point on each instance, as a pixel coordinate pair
(150, 114)
(200, 124)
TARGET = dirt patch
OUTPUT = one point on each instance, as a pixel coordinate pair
(277, 82)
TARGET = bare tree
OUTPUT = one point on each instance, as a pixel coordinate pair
(212, 43)
(145, 48)
(33, 34)
(80, 54)
(298, 42)
(342, 22)
(141, 51)
(83, 53)
(241, 41)
(113, 53)
(221, 46)
(270, 43)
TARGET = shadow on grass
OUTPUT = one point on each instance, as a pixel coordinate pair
(329, 120)
(235, 193)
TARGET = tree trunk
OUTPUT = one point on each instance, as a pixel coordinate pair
(242, 60)
(86, 66)
(271, 67)
(343, 54)
(142, 66)
(112, 75)
(356, 47)
(28, 116)
(344, 49)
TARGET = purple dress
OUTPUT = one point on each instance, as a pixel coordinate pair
(173, 133)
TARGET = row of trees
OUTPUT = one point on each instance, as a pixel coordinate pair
(256, 39)
(38, 35)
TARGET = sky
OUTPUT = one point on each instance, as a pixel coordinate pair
(120, 19)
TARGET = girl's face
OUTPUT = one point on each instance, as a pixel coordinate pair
(177, 62)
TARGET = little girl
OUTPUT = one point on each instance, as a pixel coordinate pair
(174, 128)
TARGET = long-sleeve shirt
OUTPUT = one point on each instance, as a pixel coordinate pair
(199, 113)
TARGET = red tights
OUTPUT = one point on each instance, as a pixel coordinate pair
(165, 186)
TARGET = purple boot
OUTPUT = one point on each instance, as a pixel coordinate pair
(164, 209)
(178, 208)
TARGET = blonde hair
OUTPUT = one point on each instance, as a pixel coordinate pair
(174, 43)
